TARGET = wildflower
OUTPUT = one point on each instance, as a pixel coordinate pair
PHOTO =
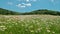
(38, 23)
(32, 31)
(53, 32)
(16, 23)
(22, 25)
(48, 30)
(38, 29)
(31, 26)
(2, 28)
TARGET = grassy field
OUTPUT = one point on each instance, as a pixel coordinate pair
(29, 24)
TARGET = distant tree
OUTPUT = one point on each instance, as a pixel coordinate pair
(43, 11)
(8, 12)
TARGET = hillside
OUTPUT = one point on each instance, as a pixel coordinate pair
(35, 12)
(43, 11)
(7, 12)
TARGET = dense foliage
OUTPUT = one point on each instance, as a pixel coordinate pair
(43, 11)
(48, 12)
(7, 12)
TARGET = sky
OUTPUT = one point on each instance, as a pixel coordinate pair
(30, 5)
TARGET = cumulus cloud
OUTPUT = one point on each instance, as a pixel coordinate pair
(19, 5)
(10, 3)
(29, 4)
(23, 5)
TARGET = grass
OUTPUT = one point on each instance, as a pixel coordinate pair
(29, 24)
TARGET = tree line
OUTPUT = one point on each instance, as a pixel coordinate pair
(43, 11)
(7, 12)
(35, 12)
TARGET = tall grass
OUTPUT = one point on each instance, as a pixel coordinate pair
(29, 24)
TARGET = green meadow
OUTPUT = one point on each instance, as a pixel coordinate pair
(29, 24)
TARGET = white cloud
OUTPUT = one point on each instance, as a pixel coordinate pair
(23, 5)
(27, 0)
(19, 5)
(10, 3)
(29, 4)
(31, 0)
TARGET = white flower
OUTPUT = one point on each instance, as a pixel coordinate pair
(32, 31)
(2, 28)
(31, 26)
(48, 30)
(53, 32)
(22, 25)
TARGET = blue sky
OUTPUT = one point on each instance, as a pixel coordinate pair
(30, 5)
